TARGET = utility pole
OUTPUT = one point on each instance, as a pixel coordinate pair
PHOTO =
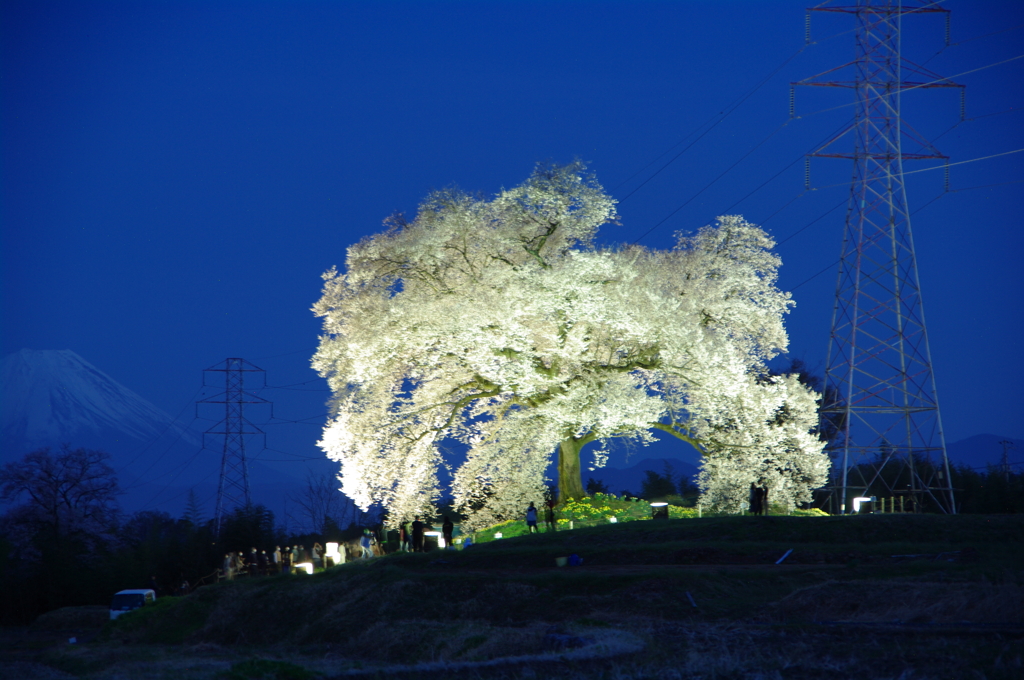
(1006, 444)
(880, 386)
(233, 487)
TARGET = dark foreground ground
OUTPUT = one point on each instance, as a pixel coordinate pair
(892, 596)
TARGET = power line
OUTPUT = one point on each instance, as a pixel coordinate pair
(179, 495)
(1015, 109)
(784, 206)
(780, 172)
(156, 460)
(988, 186)
(966, 40)
(729, 110)
(292, 388)
(833, 264)
(285, 354)
(153, 499)
(915, 87)
(951, 191)
(148, 444)
(295, 457)
(815, 220)
(712, 182)
(936, 167)
(979, 37)
(311, 420)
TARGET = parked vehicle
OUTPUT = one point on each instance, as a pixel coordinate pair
(127, 600)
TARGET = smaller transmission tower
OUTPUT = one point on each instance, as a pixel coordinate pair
(233, 487)
(880, 387)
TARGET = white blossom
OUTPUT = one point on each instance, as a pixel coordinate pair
(500, 324)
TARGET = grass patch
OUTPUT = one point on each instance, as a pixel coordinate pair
(169, 620)
(471, 643)
(602, 509)
(266, 669)
(92, 617)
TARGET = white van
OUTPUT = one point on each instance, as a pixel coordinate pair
(127, 600)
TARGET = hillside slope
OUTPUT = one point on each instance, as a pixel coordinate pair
(646, 592)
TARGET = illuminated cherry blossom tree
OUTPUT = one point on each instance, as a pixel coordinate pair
(499, 323)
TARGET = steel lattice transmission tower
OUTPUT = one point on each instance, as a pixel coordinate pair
(233, 488)
(881, 401)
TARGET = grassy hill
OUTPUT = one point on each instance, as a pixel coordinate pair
(865, 596)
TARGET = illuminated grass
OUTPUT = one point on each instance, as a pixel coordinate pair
(600, 509)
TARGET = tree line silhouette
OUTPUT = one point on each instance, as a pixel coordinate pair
(64, 541)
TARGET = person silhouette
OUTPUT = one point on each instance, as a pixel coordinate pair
(446, 530)
(531, 519)
(417, 535)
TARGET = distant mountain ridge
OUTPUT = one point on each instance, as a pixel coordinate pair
(53, 396)
(983, 450)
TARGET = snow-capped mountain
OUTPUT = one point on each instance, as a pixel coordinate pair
(48, 397)
(53, 397)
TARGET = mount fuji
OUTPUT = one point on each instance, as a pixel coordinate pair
(53, 397)
(49, 397)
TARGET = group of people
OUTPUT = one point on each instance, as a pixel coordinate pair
(413, 540)
(758, 499)
(549, 517)
(259, 563)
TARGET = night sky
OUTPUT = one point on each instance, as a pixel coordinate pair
(177, 175)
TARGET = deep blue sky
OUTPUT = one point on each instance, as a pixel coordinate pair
(177, 175)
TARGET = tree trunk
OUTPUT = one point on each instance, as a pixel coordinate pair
(570, 483)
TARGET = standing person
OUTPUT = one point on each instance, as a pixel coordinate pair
(446, 530)
(417, 535)
(764, 500)
(276, 557)
(364, 543)
(531, 518)
(754, 499)
(377, 542)
(226, 568)
(549, 516)
(263, 562)
(254, 563)
(318, 551)
(296, 554)
(403, 537)
(286, 560)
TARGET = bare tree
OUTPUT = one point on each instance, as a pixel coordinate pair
(61, 523)
(68, 496)
(319, 500)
